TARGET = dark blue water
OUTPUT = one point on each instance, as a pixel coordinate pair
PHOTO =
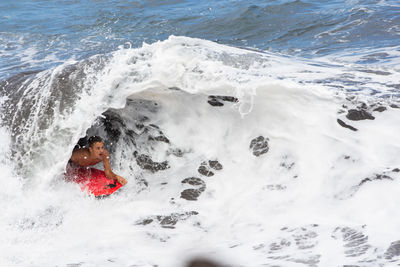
(39, 34)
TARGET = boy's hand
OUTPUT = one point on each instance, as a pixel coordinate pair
(121, 180)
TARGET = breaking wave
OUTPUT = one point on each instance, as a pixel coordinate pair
(277, 158)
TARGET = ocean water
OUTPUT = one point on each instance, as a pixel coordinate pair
(251, 133)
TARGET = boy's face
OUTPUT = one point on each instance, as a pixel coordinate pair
(97, 150)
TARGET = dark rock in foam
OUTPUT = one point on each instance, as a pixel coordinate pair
(168, 221)
(215, 165)
(160, 138)
(205, 167)
(216, 101)
(112, 124)
(357, 115)
(343, 124)
(146, 163)
(259, 146)
(194, 181)
(190, 194)
(193, 193)
(204, 170)
(355, 242)
(377, 177)
(300, 238)
(380, 109)
(393, 250)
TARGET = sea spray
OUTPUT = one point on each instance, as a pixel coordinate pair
(294, 185)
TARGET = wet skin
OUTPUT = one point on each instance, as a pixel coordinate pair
(84, 157)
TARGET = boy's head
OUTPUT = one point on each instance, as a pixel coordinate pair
(94, 139)
(96, 146)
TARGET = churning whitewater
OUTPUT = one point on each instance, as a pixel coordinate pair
(243, 157)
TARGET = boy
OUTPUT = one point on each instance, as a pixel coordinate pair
(84, 157)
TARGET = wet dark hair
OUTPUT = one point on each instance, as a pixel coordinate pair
(94, 139)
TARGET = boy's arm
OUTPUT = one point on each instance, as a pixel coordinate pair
(107, 169)
(78, 157)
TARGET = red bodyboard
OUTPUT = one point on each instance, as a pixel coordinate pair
(94, 181)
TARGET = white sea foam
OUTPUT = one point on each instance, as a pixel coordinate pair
(293, 205)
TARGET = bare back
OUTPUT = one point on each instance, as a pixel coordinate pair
(82, 158)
